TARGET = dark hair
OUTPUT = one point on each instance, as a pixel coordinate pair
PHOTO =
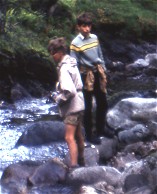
(84, 18)
(57, 44)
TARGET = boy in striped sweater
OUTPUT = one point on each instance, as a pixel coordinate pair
(85, 48)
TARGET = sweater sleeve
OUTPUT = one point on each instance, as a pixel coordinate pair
(101, 56)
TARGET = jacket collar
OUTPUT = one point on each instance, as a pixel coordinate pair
(63, 61)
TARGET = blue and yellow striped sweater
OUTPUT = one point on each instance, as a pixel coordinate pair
(87, 51)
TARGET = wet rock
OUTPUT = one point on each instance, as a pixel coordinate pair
(122, 160)
(141, 190)
(134, 167)
(17, 174)
(135, 134)
(100, 187)
(153, 128)
(153, 178)
(117, 66)
(87, 190)
(18, 92)
(151, 59)
(137, 65)
(91, 175)
(43, 132)
(51, 172)
(141, 149)
(135, 181)
(92, 156)
(130, 112)
(18, 177)
(54, 189)
(108, 148)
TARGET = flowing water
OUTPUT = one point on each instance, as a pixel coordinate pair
(14, 120)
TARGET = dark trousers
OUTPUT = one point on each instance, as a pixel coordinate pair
(101, 108)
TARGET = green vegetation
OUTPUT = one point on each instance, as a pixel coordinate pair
(28, 25)
(130, 16)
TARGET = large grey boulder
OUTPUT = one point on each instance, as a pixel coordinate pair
(51, 172)
(42, 132)
(92, 175)
(134, 118)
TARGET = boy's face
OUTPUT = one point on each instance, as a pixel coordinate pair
(57, 56)
(84, 29)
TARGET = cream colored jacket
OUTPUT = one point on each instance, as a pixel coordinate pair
(69, 87)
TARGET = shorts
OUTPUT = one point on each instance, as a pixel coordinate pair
(74, 119)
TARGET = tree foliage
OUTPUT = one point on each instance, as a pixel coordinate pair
(28, 25)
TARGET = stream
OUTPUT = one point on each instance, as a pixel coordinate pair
(14, 120)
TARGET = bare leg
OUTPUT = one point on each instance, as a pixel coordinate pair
(70, 139)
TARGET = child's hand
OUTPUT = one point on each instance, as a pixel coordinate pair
(51, 98)
(54, 96)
